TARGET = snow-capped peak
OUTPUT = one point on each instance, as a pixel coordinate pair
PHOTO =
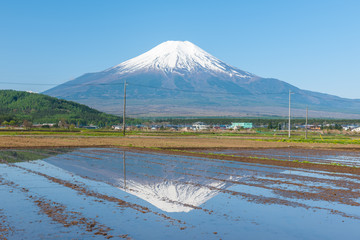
(177, 56)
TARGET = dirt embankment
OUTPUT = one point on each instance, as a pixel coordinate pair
(160, 142)
(188, 144)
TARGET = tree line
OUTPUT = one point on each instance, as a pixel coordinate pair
(18, 106)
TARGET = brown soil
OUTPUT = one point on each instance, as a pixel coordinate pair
(59, 213)
(161, 142)
(4, 228)
(183, 143)
(293, 187)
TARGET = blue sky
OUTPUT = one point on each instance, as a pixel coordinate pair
(314, 45)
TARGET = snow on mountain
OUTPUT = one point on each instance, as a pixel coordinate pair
(175, 56)
(178, 78)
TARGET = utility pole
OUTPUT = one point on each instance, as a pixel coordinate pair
(124, 107)
(289, 112)
(306, 122)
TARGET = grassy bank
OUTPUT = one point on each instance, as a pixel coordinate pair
(296, 137)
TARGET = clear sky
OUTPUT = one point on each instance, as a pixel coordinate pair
(314, 45)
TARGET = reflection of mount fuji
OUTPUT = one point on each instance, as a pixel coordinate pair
(168, 187)
(171, 196)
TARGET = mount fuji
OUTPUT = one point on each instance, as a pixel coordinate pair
(178, 78)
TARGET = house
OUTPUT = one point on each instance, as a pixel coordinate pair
(356, 130)
(49, 124)
(116, 127)
(241, 125)
(200, 126)
(38, 125)
(91, 127)
(314, 127)
(349, 127)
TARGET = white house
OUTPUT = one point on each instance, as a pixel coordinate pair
(200, 126)
(356, 129)
(236, 126)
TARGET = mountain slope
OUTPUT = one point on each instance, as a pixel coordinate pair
(20, 106)
(179, 78)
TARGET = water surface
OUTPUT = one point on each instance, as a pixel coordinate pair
(348, 158)
(110, 192)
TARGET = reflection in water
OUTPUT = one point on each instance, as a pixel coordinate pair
(21, 155)
(252, 200)
(317, 156)
(124, 167)
(166, 185)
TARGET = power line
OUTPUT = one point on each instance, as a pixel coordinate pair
(146, 86)
(57, 84)
(22, 83)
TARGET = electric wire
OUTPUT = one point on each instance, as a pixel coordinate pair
(147, 86)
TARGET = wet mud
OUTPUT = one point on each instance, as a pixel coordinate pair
(163, 187)
(5, 229)
(85, 191)
(59, 213)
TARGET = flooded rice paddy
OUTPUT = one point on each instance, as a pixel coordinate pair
(110, 193)
(312, 155)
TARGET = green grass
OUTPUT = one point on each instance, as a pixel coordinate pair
(63, 133)
(315, 140)
(13, 156)
(297, 137)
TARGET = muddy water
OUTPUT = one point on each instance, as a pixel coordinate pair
(110, 193)
(312, 155)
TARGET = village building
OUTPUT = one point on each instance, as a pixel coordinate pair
(356, 129)
(241, 125)
(200, 126)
